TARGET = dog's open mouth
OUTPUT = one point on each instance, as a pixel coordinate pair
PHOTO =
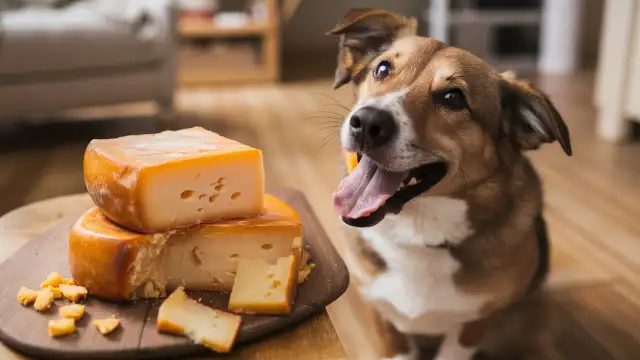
(370, 192)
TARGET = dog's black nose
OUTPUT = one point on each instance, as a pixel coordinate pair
(372, 127)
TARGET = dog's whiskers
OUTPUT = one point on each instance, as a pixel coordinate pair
(321, 117)
(338, 103)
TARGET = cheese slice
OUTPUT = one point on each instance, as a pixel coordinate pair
(155, 182)
(114, 263)
(182, 315)
(264, 288)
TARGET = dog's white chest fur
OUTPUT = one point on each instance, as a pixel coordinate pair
(417, 292)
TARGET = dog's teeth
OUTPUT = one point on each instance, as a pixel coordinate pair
(413, 181)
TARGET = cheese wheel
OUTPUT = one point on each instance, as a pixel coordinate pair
(118, 264)
(156, 182)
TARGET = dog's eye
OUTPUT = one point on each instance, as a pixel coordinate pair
(382, 70)
(453, 99)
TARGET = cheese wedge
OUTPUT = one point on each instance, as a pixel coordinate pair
(182, 315)
(117, 264)
(73, 293)
(155, 182)
(263, 288)
(54, 279)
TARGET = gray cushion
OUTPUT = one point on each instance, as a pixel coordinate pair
(73, 38)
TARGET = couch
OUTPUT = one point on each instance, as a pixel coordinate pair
(57, 55)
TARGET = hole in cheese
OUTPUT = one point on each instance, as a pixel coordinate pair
(234, 256)
(186, 194)
(194, 256)
(213, 197)
(218, 187)
(235, 195)
(200, 209)
(201, 197)
(267, 246)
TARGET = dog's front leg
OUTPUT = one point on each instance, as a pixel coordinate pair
(461, 343)
(393, 345)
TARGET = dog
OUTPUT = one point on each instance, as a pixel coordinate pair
(443, 210)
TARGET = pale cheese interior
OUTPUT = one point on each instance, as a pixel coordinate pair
(202, 324)
(206, 259)
(203, 192)
(264, 287)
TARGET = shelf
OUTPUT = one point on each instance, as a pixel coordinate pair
(207, 28)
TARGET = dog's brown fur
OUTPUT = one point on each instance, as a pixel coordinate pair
(507, 254)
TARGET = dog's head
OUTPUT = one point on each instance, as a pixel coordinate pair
(429, 118)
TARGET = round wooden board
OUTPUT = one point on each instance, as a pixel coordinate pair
(24, 329)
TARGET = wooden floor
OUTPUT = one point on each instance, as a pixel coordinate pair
(592, 198)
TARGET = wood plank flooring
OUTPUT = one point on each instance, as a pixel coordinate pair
(592, 198)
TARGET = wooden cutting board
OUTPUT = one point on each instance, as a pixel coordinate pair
(24, 329)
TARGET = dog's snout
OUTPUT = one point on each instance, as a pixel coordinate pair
(372, 127)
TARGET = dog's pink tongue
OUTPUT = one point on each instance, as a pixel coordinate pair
(366, 189)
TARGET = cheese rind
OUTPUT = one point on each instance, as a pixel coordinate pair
(264, 288)
(117, 264)
(213, 328)
(156, 182)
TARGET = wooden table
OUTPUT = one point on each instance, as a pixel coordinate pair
(314, 339)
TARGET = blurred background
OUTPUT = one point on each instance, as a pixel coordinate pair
(260, 71)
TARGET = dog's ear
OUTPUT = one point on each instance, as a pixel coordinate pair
(364, 33)
(531, 119)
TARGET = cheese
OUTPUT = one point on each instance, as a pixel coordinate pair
(54, 279)
(73, 311)
(44, 299)
(73, 292)
(61, 327)
(263, 288)
(155, 182)
(26, 296)
(106, 326)
(117, 264)
(351, 160)
(182, 315)
(57, 294)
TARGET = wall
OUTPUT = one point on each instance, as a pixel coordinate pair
(306, 30)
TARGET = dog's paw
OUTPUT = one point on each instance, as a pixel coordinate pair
(390, 289)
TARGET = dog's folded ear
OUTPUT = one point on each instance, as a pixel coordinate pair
(532, 118)
(364, 33)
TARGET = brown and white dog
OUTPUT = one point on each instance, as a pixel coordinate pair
(447, 209)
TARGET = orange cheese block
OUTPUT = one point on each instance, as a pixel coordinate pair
(155, 182)
(115, 263)
(351, 160)
(182, 315)
(264, 288)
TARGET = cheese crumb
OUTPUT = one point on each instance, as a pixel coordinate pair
(73, 292)
(61, 327)
(68, 281)
(54, 279)
(106, 326)
(73, 311)
(43, 300)
(26, 296)
(57, 294)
